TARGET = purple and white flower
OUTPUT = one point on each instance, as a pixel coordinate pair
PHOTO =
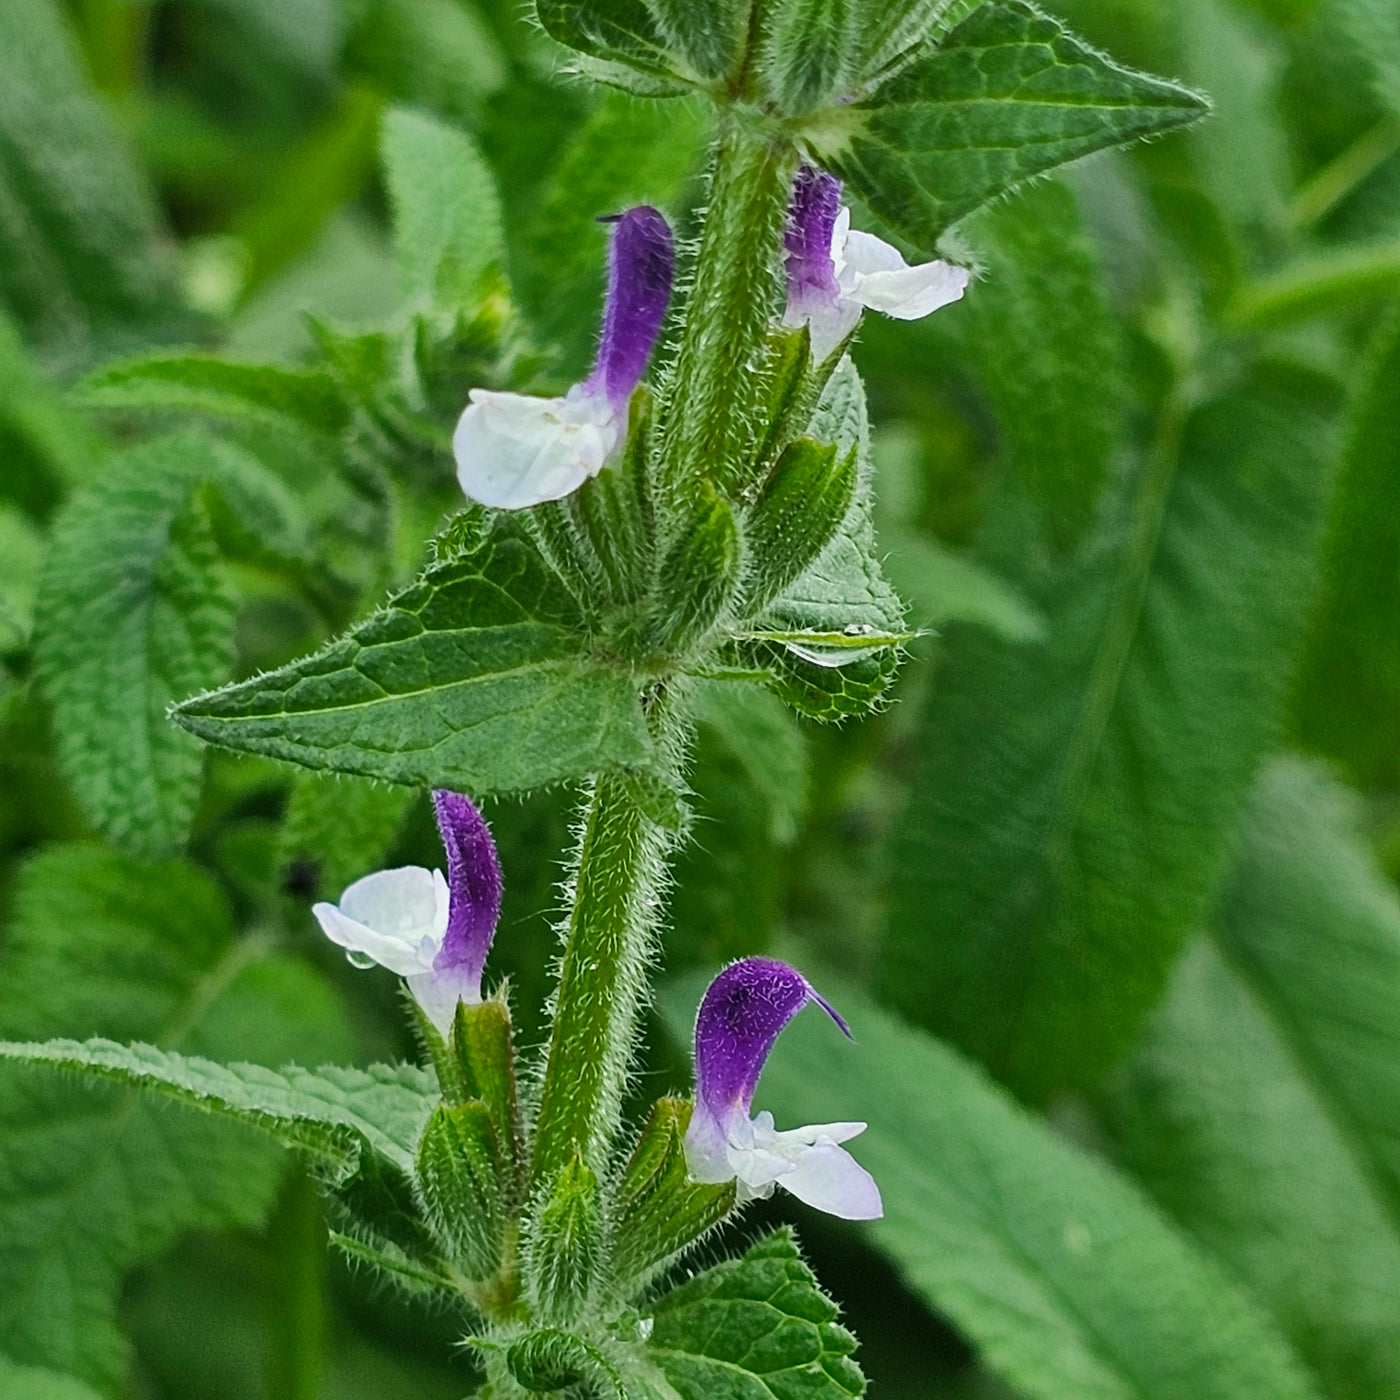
(836, 272)
(740, 1018)
(434, 932)
(516, 450)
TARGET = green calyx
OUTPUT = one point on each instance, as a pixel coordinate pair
(564, 1245)
(658, 1211)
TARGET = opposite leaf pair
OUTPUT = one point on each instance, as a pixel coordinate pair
(517, 450)
(436, 933)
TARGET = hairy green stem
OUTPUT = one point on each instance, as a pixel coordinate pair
(732, 304)
(618, 883)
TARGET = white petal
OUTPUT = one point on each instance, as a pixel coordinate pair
(514, 450)
(828, 1178)
(830, 324)
(915, 292)
(755, 1167)
(397, 917)
(438, 994)
(792, 1139)
(840, 236)
(864, 254)
(875, 275)
(705, 1148)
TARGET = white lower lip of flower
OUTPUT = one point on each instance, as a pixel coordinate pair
(396, 917)
(808, 1162)
(516, 450)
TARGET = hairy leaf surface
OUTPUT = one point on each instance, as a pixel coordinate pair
(93, 1181)
(447, 214)
(1008, 95)
(79, 246)
(1261, 1108)
(471, 678)
(133, 613)
(756, 1327)
(1067, 821)
(617, 31)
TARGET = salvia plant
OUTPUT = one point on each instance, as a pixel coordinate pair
(687, 530)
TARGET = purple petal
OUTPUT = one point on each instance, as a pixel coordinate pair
(742, 1014)
(641, 265)
(816, 201)
(474, 882)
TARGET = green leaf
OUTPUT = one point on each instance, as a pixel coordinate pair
(756, 1328)
(21, 555)
(1039, 339)
(29, 1383)
(471, 678)
(337, 829)
(1261, 1106)
(770, 748)
(1069, 814)
(1374, 28)
(1349, 696)
(708, 34)
(79, 232)
(382, 1109)
(92, 1181)
(810, 53)
(1063, 1275)
(447, 214)
(1008, 95)
(132, 614)
(897, 29)
(616, 31)
(304, 400)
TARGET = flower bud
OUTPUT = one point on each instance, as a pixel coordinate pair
(564, 1246)
(800, 508)
(483, 1053)
(459, 1180)
(699, 576)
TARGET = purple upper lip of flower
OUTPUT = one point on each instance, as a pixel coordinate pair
(641, 266)
(474, 885)
(741, 1016)
(816, 201)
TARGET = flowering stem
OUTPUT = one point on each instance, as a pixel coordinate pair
(618, 880)
(732, 305)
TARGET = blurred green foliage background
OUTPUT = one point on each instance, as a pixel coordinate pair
(1128, 837)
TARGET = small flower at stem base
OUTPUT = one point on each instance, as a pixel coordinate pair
(434, 932)
(835, 273)
(740, 1018)
(517, 450)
